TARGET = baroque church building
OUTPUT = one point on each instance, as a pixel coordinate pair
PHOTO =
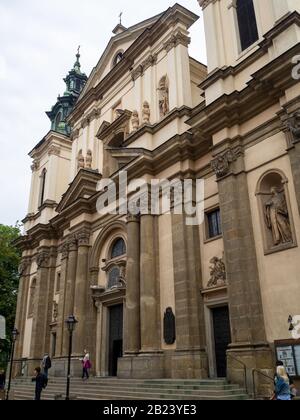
(153, 296)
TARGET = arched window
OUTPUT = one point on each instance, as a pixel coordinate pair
(118, 248)
(31, 298)
(247, 23)
(118, 58)
(113, 277)
(42, 187)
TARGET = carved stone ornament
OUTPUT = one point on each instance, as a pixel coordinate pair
(72, 243)
(55, 311)
(221, 164)
(163, 97)
(294, 126)
(177, 39)
(277, 218)
(169, 327)
(217, 273)
(42, 259)
(89, 159)
(35, 165)
(80, 160)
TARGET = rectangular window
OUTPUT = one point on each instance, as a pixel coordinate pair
(58, 277)
(247, 23)
(214, 228)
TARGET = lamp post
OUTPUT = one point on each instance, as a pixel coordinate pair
(15, 334)
(71, 324)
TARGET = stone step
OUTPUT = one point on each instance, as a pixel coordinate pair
(80, 390)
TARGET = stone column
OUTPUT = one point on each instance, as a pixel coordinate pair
(50, 294)
(149, 311)
(99, 306)
(39, 326)
(81, 293)
(61, 302)
(70, 290)
(24, 271)
(133, 323)
(191, 358)
(245, 303)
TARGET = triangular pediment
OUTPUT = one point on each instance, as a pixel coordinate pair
(118, 43)
(83, 187)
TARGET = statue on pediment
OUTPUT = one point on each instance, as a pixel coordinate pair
(135, 121)
(80, 161)
(89, 159)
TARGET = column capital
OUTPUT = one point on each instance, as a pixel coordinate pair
(221, 164)
(133, 218)
(43, 259)
(83, 238)
(24, 265)
(72, 243)
(63, 250)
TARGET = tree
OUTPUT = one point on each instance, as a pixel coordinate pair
(10, 258)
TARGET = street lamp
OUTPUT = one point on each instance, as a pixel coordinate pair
(71, 324)
(15, 334)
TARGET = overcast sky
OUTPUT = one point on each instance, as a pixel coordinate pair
(39, 39)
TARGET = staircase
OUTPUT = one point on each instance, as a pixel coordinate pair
(117, 389)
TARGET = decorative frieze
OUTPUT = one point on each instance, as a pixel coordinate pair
(221, 164)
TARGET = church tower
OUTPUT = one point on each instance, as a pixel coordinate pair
(75, 82)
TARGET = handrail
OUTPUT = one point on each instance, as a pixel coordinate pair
(253, 379)
(245, 369)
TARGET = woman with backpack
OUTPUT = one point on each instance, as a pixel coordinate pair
(282, 385)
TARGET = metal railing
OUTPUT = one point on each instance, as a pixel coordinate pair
(257, 371)
(244, 368)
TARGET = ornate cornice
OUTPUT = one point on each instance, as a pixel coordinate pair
(222, 162)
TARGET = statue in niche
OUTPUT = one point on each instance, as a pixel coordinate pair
(217, 273)
(89, 159)
(135, 121)
(294, 125)
(80, 161)
(277, 217)
(164, 107)
(146, 113)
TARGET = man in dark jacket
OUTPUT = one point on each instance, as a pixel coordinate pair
(46, 364)
(40, 383)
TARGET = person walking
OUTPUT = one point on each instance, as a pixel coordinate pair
(2, 385)
(282, 385)
(46, 364)
(86, 365)
(41, 382)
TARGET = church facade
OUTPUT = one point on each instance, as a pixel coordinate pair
(156, 297)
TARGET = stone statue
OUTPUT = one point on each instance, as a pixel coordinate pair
(217, 273)
(294, 125)
(146, 113)
(89, 159)
(135, 121)
(277, 217)
(164, 107)
(80, 160)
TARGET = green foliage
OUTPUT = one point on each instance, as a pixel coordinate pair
(9, 279)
